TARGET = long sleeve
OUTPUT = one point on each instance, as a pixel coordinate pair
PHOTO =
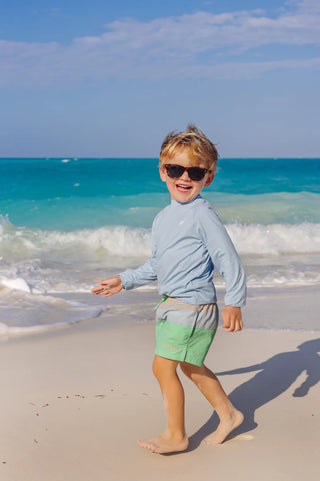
(224, 258)
(132, 278)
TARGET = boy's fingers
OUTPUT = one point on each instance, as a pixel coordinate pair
(98, 289)
(232, 325)
(238, 326)
(94, 290)
(230, 328)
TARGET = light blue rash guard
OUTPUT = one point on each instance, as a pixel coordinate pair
(188, 243)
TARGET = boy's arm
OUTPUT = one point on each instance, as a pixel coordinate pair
(226, 260)
(132, 278)
(128, 279)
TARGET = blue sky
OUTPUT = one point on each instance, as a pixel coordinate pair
(111, 78)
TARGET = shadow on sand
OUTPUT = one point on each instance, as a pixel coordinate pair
(273, 378)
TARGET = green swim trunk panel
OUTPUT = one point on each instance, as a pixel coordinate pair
(181, 343)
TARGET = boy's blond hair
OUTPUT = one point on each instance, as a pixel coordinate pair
(199, 146)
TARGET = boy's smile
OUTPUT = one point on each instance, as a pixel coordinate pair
(183, 189)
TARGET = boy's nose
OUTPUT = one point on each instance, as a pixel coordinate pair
(185, 176)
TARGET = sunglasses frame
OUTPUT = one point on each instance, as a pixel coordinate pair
(188, 169)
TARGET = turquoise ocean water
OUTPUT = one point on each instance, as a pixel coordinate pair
(66, 222)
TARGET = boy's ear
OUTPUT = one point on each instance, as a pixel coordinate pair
(162, 173)
(209, 180)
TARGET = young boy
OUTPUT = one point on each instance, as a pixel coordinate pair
(188, 242)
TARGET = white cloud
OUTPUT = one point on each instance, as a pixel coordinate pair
(238, 70)
(310, 6)
(166, 47)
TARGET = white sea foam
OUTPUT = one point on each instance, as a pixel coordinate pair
(17, 242)
(123, 241)
(25, 312)
(275, 239)
(16, 284)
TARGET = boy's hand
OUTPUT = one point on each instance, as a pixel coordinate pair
(232, 319)
(108, 287)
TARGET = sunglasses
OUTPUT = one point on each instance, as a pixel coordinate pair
(195, 173)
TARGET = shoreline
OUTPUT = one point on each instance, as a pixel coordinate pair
(137, 306)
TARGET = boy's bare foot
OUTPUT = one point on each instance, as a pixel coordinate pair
(164, 444)
(225, 428)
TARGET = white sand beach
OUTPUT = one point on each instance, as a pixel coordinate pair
(74, 401)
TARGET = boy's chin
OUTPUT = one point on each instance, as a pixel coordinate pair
(183, 198)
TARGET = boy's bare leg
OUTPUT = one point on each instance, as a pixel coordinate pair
(174, 439)
(209, 385)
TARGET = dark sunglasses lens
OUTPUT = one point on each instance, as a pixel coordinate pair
(196, 173)
(175, 171)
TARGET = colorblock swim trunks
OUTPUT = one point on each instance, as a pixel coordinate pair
(184, 332)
